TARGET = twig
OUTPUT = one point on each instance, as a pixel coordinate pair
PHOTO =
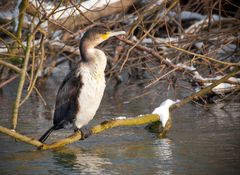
(10, 66)
(204, 57)
(57, 45)
(32, 85)
(205, 90)
(21, 84)
(158, 79)
(12, 36)
(22, 10)
(16, 69)
(8, 81)
(156, 22)
(148, 50)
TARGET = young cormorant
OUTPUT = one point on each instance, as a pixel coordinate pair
(81, 91)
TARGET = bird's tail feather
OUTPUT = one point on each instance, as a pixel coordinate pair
(44, 137)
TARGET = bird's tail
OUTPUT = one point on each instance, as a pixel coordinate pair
(44, 137)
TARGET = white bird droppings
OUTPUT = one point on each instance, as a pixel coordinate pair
(163, 110)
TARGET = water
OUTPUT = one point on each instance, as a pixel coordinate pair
(200, 142)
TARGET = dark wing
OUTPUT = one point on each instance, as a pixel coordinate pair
(67, 100)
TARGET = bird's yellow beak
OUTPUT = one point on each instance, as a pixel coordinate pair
(110, 34)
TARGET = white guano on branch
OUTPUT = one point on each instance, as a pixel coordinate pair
(163, 110)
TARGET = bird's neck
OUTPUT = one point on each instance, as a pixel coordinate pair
(83, 50)
(94, 58)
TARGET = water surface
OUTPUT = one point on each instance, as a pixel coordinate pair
(202, 141)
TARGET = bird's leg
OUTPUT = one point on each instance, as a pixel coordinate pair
(85, 132)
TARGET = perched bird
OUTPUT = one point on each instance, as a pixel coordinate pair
(82, 89)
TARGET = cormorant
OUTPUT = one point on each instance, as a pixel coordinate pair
(81, 91)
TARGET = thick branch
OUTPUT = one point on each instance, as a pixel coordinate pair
(140, 120)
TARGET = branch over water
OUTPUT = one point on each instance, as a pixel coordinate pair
(139, 120)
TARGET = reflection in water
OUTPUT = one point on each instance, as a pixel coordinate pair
(227, 116)
(163, 150)
(78, 161)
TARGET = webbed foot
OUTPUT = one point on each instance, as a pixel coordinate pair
(85, 132)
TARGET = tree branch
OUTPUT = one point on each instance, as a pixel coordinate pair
(139, 120)
(20, 137)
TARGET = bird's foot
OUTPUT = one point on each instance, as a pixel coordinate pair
(85, 132)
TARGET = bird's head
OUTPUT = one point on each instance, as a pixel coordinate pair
(98, 34)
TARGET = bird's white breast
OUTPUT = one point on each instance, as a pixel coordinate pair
(91, 94)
